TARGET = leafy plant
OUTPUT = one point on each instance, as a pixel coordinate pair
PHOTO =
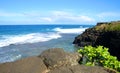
(99, 56)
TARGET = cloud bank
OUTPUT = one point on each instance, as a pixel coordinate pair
(109, 14)
(56, 17)
(52, 17)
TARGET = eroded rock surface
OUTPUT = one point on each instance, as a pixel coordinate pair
(51, 61)
(58, 57)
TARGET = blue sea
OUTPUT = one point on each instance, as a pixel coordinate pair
(21, 41)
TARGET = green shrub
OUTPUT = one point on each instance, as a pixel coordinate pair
(99, 56)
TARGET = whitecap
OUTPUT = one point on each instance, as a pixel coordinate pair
(27, 38)
(70, 30)
(10, 58)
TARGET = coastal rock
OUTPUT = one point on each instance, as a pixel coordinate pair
(51, 61)
(112, 41)
(79, 69)
(87, 69)
(54, 58)
(105, 34)
(87, 38)
(61, 70)
(27, 65)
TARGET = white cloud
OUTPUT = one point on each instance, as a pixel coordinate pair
(86, 19)
(109, 14)
(61, 13)
(70, 17)
(6, 14)
(48, 17)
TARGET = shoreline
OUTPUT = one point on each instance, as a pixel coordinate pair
(49, 62)
(19, 51)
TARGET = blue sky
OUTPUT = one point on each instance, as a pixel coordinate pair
(58, 11)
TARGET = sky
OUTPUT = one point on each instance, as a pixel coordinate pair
(58, 11)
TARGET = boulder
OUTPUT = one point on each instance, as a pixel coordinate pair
(27, 65)
(61, 70)
(80, 69)
(51, 61)
(54, 58)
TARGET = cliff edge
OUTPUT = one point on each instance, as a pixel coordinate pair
(106, 34)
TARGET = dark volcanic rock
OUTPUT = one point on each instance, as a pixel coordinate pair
(87, 38)
(109, 39)
(54, 58)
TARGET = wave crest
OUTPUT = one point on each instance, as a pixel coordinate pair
(27, 38)
(70, 31)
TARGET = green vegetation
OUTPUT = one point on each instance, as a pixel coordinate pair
(113, 26)
(99, 56)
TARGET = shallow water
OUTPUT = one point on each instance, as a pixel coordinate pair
(21, 43)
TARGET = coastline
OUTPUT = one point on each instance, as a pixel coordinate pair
(19, 51)
(49, 62)
(52, 60)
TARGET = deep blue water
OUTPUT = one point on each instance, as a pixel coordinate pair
(21, 29)
(20, 41)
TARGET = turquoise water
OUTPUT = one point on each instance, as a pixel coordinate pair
(20, 41)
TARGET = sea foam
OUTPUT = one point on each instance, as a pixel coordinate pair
(27, 38)
(70, 30)
(10, 58)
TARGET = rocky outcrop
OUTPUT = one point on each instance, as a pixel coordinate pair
(87, 38)
(54, 58)
(106, 34)
(27, 65)
(51, 61)
(80, 69)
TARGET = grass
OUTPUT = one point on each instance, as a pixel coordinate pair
(112, 26)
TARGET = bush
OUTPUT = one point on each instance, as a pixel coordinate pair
(99, 56)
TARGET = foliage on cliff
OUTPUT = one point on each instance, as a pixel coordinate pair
(99, 56)
(106, 34)
(110, 26)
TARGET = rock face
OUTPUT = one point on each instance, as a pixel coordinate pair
(51, 61)
(54, 58)
(108, 38)
(79, 69)
(28, 65)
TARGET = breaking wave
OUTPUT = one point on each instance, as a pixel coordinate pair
(6, 40)
(70, 30)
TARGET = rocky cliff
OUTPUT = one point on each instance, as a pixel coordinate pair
(51, 61)
(106, 34)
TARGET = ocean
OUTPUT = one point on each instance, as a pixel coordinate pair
(21, 41)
